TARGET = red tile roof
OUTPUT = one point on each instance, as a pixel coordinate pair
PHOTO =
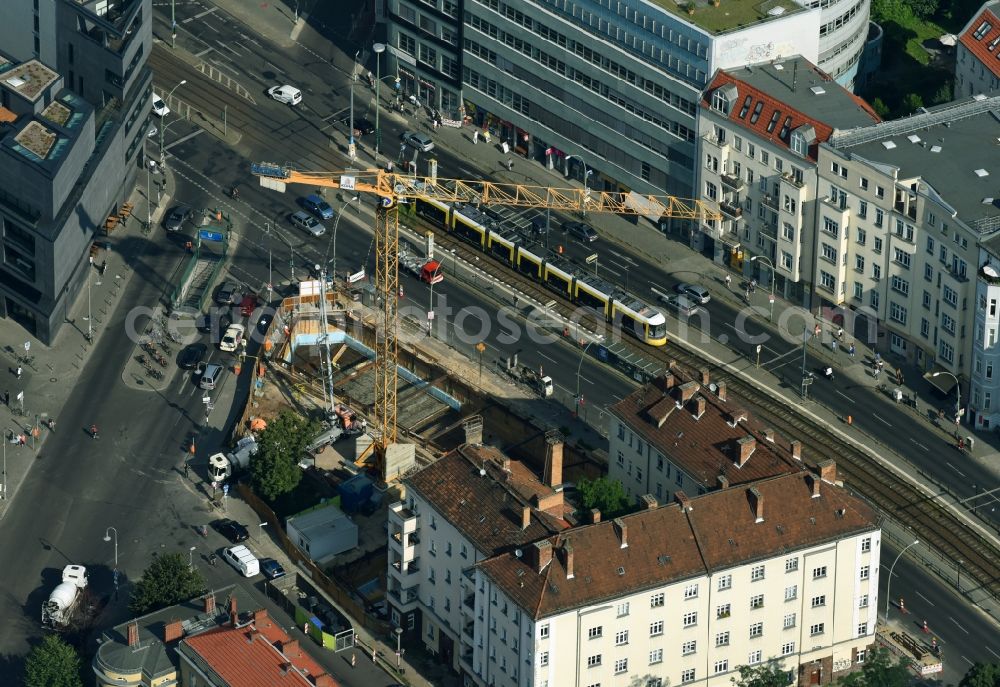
(704, 447)
(980, 47)
(260, 653)
(769, 105)
(667, 544)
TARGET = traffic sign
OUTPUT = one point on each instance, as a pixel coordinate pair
(27, 346)
(771, 298)
(210, 235)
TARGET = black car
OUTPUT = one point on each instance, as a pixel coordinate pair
(231, 530)
(229, 294)
(579, 230)
(176, 218)
(215, 321)
(190, 356)
(271, 568)
(363, 127)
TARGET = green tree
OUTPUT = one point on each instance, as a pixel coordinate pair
(52, 663)
(167, 581)
(982, 675)
(943, 94)
(763, 675)
(881, 109)
(879, 670)
(605, 494)
(275, 469)
(922, 8)
(911, 103)
(895, 11)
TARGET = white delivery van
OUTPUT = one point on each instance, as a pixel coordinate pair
(240, 558)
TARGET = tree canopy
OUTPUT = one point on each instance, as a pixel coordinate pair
(762, 675)
(605, 494)
(879, 670)
(982, 675)
(52, 663)
(274, 470)
(168, 580)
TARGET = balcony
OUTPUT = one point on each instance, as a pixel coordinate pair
(405, 571)
(731, 210)
(733, 182)
(770, 201)
(469, 630)
(714, 141)
(404, 596)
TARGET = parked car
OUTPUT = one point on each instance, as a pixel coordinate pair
(421, 142)
(190, 356)
(699, 294)
(271, 568)
(581, 231)
(306, 222)
(232, 338)
(215, 321)
(228, 294)
(248, 304)
(289, 95)
(319, 207)
(176, 218)
(160, 108)
(242, 559)
(231, 530)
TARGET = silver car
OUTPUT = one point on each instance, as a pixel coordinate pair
(303, 220)
(421, 142)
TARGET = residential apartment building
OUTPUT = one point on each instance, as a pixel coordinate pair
(977, 53)
(904, 206)
(74, 110)
(759, 130)
(604, 91)
(468, 506)
(784, 570)
(983, 401)
(684, 433)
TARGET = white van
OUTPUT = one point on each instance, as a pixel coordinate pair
(289, 95)
(240, 558)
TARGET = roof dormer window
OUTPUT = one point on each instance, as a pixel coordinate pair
(723, 98)
(983, 29)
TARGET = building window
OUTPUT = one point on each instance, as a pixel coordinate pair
(861, 236)
(656, 600)
(595, 632)
(866, 545)
(829, 253)
(897, 312)
(621, 638)
(757, 601)
(543, 631)
(901, 257)
(691, 619)
(720, 103)
(721, 666)
(819, 572)
(827, 280)
(862, 629)
(723, 611)
(865, 571)
(818, 601)
(876, 271)
(791, 564)
(722, 639)
(691, 591)
(655, 656)
(593, 661)
(754, 657)
(859, 290)
(861, 655)
(859, 263)
(788, 648)
(831, 227)
(789, 621)
(687, 675)
(623, 609)
(791, 593)
(543, 658)
(817, 629)
(689, 647)
(621, 665)
(656, 628)
(725, 582)
(879, 217)
(756, 630)
(757, 573)
(873, 298)
(863, 601)
(900, 285)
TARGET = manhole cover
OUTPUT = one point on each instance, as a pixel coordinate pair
(53, 379)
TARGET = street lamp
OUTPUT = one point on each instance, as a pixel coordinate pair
(586, 180)
(163, 128)
(767, 261)
(351, 149)
(107, 537)
(958, 393)
(579, 367)
(888, 583)
(399, 634)
(90, 314)
(958, 569)
(191, 557)
(379, 48)
(333, 239)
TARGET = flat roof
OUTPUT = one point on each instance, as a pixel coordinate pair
(729, 14)
(28, 79)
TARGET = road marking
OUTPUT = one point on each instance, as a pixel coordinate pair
(879, 418)
(844, 395)
(204, 52)
(968, 661)
(993, 652)
(958, 626)
(223, 45)
(918, 443)
(954, 468)
(586, 380)
(623, 257)
(924, 598)
(615, 262)
(548, 358)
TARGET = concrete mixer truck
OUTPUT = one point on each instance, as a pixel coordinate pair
(65, 600)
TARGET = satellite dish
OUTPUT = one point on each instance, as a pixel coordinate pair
(482, 472)
(518, 553)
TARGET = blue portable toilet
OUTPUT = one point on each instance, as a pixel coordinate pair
(355, 492)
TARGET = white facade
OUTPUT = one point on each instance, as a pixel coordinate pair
(984, 396)
(772, 40)
(797, 607)
(642, 468)
(978, 73)
(842, 35)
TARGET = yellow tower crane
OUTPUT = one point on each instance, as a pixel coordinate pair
(391, 188)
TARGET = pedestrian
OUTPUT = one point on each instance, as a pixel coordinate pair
(753, 285)
(816, 330)
(851, 351)
(833, 345)
(510, 164)
(840, 332)
(6, 398)
(186, 468)
(19, 371)
(475, 137)
(729, 280)
(746, 295)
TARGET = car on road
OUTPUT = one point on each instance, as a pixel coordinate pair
(215, 321)
(699, 294)
(581, 231)
(232, 338)
(231, 530)
(228, 294)
(421, 142)
(306, 222)
(316, 205)
(271, 568)
(176, 218)
(191, 356)
(680, 305)
(289, 95)
(249, 304)
(362, 127)
(160, 108)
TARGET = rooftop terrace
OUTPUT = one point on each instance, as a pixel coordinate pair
(728, 15)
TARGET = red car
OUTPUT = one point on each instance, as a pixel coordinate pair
(248, 304)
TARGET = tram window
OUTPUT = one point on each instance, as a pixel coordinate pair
(431, 212)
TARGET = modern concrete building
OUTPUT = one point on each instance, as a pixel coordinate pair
(759, 130)
(322, 533)
(603, 92)
(904, 207)
(74, 110)
(977, 53)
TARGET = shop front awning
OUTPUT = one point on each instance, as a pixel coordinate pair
(942, 380)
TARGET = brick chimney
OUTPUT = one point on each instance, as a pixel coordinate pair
(648, 502)
(739, 415)
(324, 680)
(668, 381)
(747, 445)
(553, 463)
(259, 616)
(210, 604)
(756, 503)
(543, 554)
(567, 550)
(688, 390)
(133, 634)
(595, 515)
(233, 613)
(681, 498)
(722, 481)
(769, 434)
(699, 406)
(473, 428)
(828, 470)
(622, 531)
(814, 483)
(525, 517)
(290, 647)
(796, 449)
(173, 631)
(704, 376)
(720, 391)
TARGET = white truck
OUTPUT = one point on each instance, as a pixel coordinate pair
(65, 599)
(221, 466)
(538, 382)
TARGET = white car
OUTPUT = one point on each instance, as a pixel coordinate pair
(160, 108)
(232, 338)
(306, 222)
(289, 95)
